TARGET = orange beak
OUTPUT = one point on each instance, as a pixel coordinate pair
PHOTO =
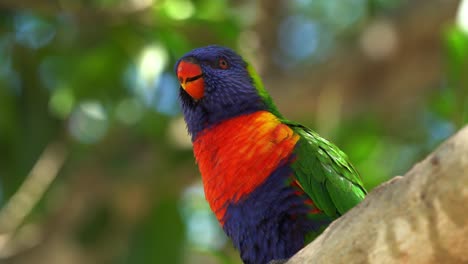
(190, 77)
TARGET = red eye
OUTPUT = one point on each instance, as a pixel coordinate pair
(223, 64)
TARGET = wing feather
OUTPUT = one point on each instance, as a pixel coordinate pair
(325, 173)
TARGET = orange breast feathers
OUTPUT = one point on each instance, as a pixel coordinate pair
(238, 155)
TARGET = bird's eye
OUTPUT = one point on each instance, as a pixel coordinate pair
(223, 64)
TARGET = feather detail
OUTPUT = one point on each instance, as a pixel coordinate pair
(236, 156)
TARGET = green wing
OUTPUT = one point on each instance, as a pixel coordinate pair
(325, 173)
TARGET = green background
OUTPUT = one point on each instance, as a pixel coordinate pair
(88, 87)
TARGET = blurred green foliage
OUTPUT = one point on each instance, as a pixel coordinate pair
(96, 77)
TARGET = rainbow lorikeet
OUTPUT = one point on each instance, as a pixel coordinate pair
(273, 184)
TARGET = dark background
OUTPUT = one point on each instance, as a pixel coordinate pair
(95, 162)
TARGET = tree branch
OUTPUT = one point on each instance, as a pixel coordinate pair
(419, 218)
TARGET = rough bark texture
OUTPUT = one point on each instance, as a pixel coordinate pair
(419, 218)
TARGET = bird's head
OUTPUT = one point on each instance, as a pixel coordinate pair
(217, 84)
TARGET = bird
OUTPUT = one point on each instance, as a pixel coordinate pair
(273, 184)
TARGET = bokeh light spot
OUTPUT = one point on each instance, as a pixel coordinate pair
(88, 122)
(462, 16)
(298, 37)
(5, 55)
(32, 31)
(166, 96)
(152, 60)
(343, 15)
(379, 40)
(129, 111)
(438, 129)
(157, 90)
(51, 72)
(179, 9)
(203, 230)
(143, 77)
(61, 102)
(178, 133)
(10, 78)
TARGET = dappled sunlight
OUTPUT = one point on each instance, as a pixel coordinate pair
(129, 111)
(49, 72)
(150, 66)
(89, 122)
(179, 9)
(62, 102)
(438, 128)
(379, 40)
(148, 81)
(5, 54)
(98, 78)
(462, 16)
(298, 37)
(178, 134)
(167, 94)
(203, 230)
(310, 32)
(33, 31)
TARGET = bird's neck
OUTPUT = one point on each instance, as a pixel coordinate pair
(200, 115)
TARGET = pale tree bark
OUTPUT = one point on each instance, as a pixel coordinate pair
(419, 218)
